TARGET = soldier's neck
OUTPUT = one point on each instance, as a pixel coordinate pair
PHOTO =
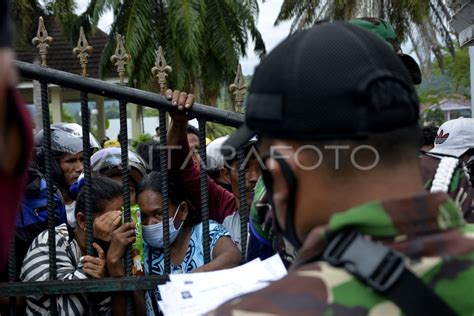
(326, 199)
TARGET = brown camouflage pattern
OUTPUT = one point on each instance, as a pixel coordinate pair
(427, 228)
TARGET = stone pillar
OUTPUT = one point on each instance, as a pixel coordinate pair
(38, 106)
(136, 112)
(56, 104)
(471, 54)
(99, 101)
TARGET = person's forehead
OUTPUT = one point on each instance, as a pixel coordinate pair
(148, 197)
(193, 136)
(65, 156)
(114, 204)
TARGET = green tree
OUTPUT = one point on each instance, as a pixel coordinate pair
(423, 22)
(457, 68)
(451, 82)
(215, 130)
(202, 39)
(433, 116)
(26, 13)
(150, 112)
(67, 117)
(141, 139)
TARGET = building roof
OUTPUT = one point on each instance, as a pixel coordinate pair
(60, 54)
(451, 104)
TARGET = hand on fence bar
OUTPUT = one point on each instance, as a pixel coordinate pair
(96, 267)
(106, 224)
(177, 133)
(121, 238)
(182, 101)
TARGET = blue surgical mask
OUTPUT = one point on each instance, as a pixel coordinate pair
(153, 234)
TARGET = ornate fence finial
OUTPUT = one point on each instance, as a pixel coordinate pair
(161, 70)
(82, 51)
(120, 58)
(42, 41)
(238, 89)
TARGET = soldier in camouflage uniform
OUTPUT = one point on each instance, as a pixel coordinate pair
(265, 239)
(447, 162)
(338, 123)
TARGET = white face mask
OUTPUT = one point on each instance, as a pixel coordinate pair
(153, 234)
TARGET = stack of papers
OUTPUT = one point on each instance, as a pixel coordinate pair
(200, 293)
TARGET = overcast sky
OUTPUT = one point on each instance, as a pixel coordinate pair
(271, 35)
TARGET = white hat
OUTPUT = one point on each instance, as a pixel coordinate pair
(455, 137)
(215, 159)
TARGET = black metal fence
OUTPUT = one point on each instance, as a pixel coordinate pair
(124, 95)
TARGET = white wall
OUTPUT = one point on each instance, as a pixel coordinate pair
(149, 125)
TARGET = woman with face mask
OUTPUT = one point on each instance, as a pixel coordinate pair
(186, 244)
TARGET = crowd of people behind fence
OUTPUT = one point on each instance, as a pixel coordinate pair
(348, 102)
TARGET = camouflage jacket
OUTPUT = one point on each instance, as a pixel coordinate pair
(428, 229)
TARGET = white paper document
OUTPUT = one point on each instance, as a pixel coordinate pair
(200, 293)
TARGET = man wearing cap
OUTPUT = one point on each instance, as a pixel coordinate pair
(444, 167)
(224, 206)
(263, 235)
(339, 137)
(216, 163)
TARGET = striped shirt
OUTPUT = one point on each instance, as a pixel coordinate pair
(69, 267)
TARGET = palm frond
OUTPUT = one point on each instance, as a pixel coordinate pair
(202, 40)
(430, 17)
(24, 13)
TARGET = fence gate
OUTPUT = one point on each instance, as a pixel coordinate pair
(124, 95)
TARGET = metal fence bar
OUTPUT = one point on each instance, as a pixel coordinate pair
(107, 89)
(85, 118)
(59, 287)
(125, 95)
(125, 189)
(243, 203)
(204, 192)
(164, 191)
(49, 190)
(125, 177)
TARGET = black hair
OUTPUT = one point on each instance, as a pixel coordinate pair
(150, 152)
(157, 129)
(214, 173)
(192, 130)
(428, 135)
(176, 194)
(103, 190)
